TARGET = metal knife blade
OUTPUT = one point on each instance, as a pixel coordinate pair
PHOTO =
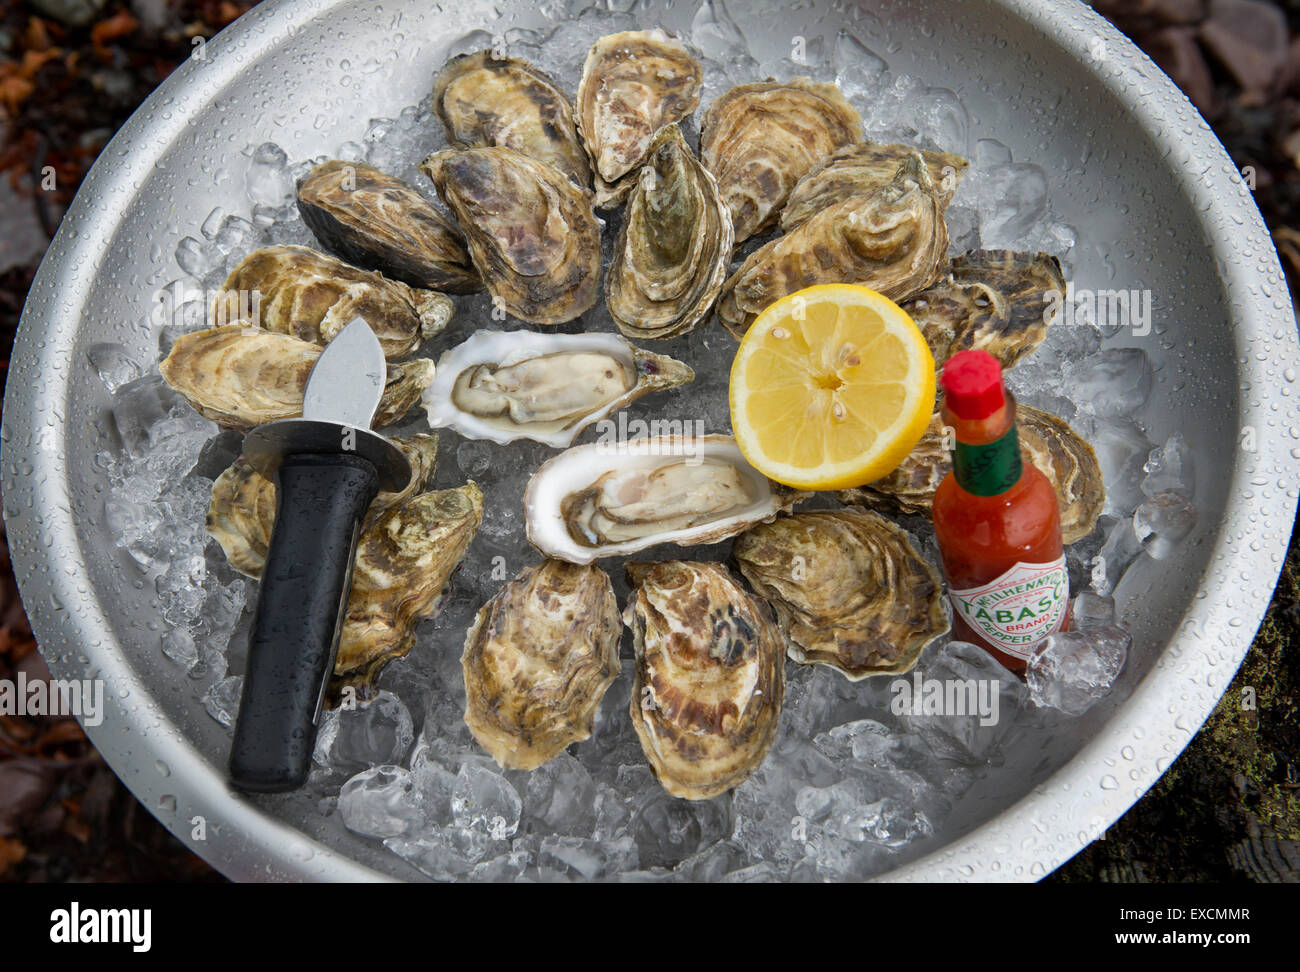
(347, 382)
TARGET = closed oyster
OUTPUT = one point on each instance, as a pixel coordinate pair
(378, 222)
(507, 385)
(857, 170)
(602, 500)
(312, 296)
(532, 233)
(241, 513)
(760, 139)
(893, 240)
(673, 249)
(241, 376)
(538, 660)
(633, 84)
(710, 676)
(849, 589)
(485, 101)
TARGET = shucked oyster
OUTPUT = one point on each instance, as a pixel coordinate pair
(484, 101)
(893, 240)
(532, 233)
(378, 222)
(710, 676)
(538, 660)
(849, 590)
(674, 246)
(608, 500)
(632, 85)
(313, 296)
(240, 376)
(507, 385)
(760, 139)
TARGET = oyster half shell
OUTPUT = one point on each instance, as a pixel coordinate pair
(538, 659)
(849, 589)
(674, 247)
(710, 676)
(507, 385)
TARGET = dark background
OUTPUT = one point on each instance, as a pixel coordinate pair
(72, 71)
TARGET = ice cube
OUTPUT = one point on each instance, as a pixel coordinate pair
(668, 830)
(376, 732)
(1114, 382)
(559, 797)
(582, 859)
(1162, 522)
(762, 873)
(500, 870)
(1170, 468)
(485, 800)
(222, 700)
(381, 802)
(198, 258)
(268, 182)
(113, 365)
(1070, 671)
(433, 854)
(178, 645)
(1092, 610)
(1115, 556)
(1122, 449)
(238, 236)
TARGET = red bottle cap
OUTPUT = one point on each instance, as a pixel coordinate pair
(972, 384)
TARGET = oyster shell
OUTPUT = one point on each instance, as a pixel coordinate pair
(378, 222)
(538, 660)
(242, 510)
(674, 246)
(994, 300)
(633, 83)
(710, 676)
(507, 385)
(849, 589)
(532, 233)
(240, 376)
(760, 139)
(609, 500)
(312, 296)
(893, 240)
(485, 101)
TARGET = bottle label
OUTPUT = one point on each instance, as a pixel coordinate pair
(989, 469)
(1019, 609)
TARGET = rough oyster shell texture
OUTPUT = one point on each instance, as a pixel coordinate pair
(532, 233)
(488, 101)
(538, 660)
(849, 589)
(378, 222)
(674, 246)
(760, 139)
(312, 296)
(710, 676)
(241, 376)
(633, 83)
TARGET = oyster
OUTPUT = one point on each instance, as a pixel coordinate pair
(532, 233)
(893, 240)
(857, 170)
(538, 660)
(312, 296)
(242, 510)
(998, 301)
(608, 500)
(485, 101)
(507, 385)
(633, 84)
(378, 222)
(710, 676)
(672, 252)
(240, 376)
(849, 590)
(760, 139)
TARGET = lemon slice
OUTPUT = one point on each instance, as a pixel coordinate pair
(832, 387)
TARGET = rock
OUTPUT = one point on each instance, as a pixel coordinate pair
(1179, 55)
(1249, 38)
(74, 13)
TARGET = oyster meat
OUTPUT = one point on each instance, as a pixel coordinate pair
(893, 240)
(378, 222)
(310, 295)
(538, 660)
(485, 101)
(760, 139)
(849, 589)
(241, 376)
(633, 84)
(710, 676)
(532, 233)
(672, 252)
(609, 500)
(507, 385)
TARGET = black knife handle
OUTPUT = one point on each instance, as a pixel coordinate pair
(321, 500)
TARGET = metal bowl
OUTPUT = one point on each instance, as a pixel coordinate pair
(1051, 80)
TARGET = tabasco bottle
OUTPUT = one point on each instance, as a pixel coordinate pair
(997, 521)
